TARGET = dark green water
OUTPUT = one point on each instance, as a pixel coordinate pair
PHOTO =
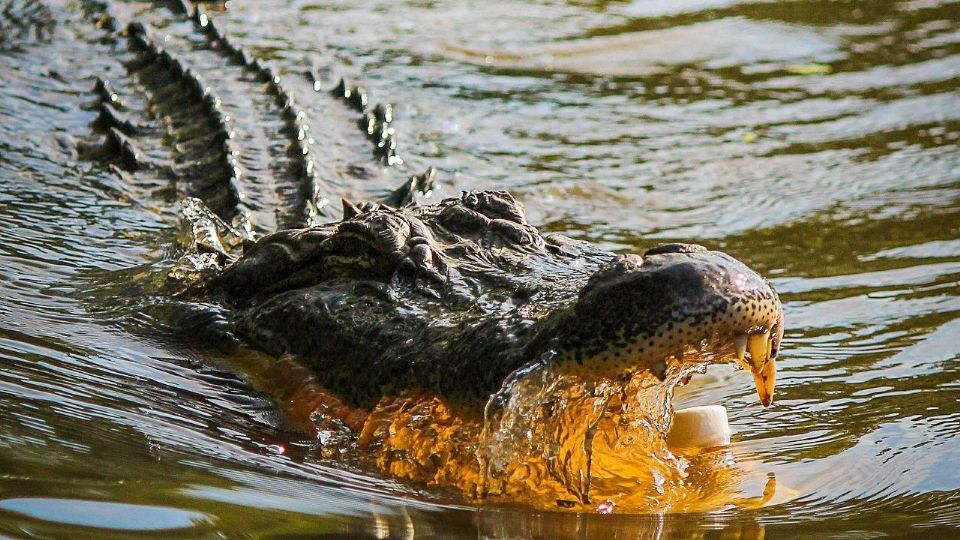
(817, 141)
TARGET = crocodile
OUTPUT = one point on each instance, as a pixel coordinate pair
(392, 305)
(456, 296)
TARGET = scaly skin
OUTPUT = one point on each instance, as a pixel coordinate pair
(452, 298)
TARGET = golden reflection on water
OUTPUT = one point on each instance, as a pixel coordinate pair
(556, 444)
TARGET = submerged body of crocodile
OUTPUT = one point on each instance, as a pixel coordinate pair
(456, 301)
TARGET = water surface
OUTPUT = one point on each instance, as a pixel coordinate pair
(816, 141)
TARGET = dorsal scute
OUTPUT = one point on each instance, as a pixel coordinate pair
(495, 205)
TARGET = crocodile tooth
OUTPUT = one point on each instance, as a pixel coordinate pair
(766, 379)
(763, 367)
(759, 347)
(740, 342)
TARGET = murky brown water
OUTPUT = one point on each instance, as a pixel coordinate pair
(817, 141)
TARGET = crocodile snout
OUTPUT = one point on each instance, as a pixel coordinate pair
(643, 312)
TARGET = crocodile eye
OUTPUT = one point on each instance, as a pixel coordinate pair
(355, 246)
(351, 245)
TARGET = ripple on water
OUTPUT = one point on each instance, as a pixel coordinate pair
(734, 41)
(105, 514)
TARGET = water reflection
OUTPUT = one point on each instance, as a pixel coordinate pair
(104, 515)
(734, 42)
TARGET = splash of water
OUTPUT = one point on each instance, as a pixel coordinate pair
(560, 439)
(547, 439)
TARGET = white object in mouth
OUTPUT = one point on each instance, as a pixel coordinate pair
(699, 427)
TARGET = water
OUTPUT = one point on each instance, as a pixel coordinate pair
(816, 141)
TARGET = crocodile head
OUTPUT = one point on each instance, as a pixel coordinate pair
(642, 311)
(445, 244)
(461, 293)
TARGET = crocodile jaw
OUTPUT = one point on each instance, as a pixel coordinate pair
(644, 313)
(762, 364)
